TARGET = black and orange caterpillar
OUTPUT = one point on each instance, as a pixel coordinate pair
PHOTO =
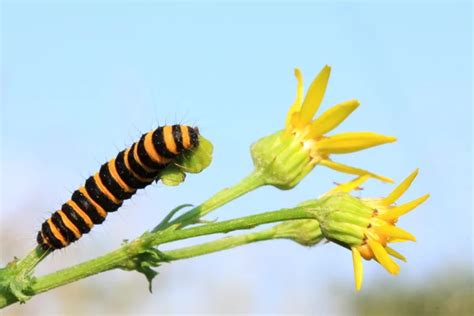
(133, 168)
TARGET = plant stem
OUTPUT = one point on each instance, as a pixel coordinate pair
(249, 183)
(83, 270)
(219, 245)
(234, 224)
(29, 262)
(120, 257)
(113, 260)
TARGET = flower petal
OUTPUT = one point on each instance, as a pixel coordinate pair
(330, 119)
(314, 96)
(382, 257)
(400, 189)
(352, 170)
(398, 211)
(395, 240)
(296, 106)
(395, 232)
(352, 141)
(395, 254)
(358, 268)
(351, 185)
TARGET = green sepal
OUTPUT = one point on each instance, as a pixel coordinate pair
(281, 160)
(343, 218)
(192, 161)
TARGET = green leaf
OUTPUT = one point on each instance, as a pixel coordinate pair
(15, 284)
(197, 160)
(146, 269)
(193, 161)
(144, 263)
(170, 215)
(172, 176)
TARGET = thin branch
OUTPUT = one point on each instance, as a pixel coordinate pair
(124, 256)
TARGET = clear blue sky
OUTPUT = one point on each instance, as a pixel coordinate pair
(81, 81)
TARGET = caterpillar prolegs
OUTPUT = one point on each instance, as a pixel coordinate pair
(117, 180)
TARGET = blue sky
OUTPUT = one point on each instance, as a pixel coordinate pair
(81, 81)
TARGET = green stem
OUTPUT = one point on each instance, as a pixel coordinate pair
(109, 261)
(219, 245)
(292, 230)
(83, 270)
(115, 259)
(249, 183)
(29, 262)
(120, 257)
(234, 224)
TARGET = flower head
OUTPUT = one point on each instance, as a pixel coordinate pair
(378, 229)
(292, 153)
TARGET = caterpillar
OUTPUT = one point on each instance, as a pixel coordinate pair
(117, 180)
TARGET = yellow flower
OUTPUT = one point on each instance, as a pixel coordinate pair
(311, 133)
(284, 158)
(381, 229)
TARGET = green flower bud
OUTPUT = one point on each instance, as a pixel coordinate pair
(343, 219)
(281, 160)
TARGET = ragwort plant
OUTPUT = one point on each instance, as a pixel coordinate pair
(365, 226)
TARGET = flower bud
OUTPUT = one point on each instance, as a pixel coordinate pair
(344, 219)
(281, 160)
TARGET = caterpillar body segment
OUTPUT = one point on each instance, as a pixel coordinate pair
(117, 180)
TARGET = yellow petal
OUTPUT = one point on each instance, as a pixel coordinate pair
(395, 232)
(398, 211)
(314, 96)
(395, 240)
(352, 141)
(351, 185)
(358, 268)
(330, 119)
(296, 106)
(400, 189)
(395, 254)
(382, 257)
(352, 170)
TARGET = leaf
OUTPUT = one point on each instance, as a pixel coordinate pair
(145, 262)
(172, 176)
(197, 160)
(149, 273)
(170, 215)
(193, 161)
(14, 283)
